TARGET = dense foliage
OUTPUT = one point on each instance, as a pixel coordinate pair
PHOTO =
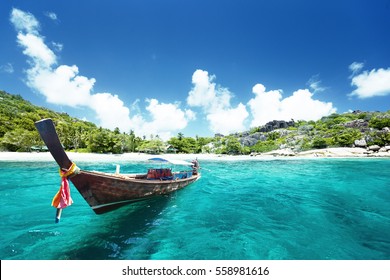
(18, 133)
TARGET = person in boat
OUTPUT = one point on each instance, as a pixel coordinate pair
(195, 166)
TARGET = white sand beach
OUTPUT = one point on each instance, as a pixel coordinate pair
(46, 156)
(277, 154)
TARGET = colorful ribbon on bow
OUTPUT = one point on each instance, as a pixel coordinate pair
(62, 198)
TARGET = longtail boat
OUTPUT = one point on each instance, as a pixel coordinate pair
(105, 192)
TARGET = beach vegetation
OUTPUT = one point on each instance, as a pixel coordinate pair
(347, 137)
(232, 146)
(152, 146)
(380, 121)
(380, 138)
(202, 144)
(18, 133)
(20, 140)
(264, 146)
(319, 143)
(184, 144)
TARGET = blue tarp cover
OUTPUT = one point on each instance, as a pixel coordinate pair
(173, 161)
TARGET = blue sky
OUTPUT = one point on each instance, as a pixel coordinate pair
(196, 67)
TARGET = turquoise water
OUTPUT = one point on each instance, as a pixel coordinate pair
(277, 209)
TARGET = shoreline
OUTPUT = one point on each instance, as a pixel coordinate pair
(277, 154)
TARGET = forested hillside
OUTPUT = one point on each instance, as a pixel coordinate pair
(18, 133)
(362, 129)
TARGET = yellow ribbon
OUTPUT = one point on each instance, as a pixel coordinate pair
(73, 169)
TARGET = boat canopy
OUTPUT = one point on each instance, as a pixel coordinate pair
(172, 161)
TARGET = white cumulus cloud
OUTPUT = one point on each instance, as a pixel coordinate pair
(270, 105)
(61, 85)
(165, 119)
(370, 84)
(215, 102)
(64, 85)
(37, 50)
(111, 111)
(24, 21)
(228, 120)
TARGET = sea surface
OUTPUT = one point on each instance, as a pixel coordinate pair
(296, 209)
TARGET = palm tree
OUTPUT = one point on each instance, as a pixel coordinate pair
(180, 136)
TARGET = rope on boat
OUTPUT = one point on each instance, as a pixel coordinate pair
(62, 198)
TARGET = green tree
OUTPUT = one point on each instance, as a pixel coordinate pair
(379, 122)
(347, 137)
(201, 142)
(154, 146)
(21, 140)
(319, 143)
(264, 146)
(183, 144)
(131, 142)
(180, 136)
(104, 141)
(188, 145)
(233, 146)
(380, 138)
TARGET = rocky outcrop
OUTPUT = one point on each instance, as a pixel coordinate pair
(247, 139)
(250, 140)
(360, 131)
(359, 123)
(377, 151)
(360, 143)
(374, 148)
(281, 152)
(273, 125)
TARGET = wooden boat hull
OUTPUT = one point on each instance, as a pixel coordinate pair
(107, 192)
